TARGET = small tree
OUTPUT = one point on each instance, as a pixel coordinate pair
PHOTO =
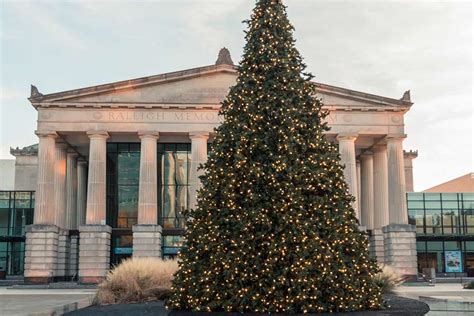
(274, 230)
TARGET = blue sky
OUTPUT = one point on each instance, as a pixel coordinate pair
(378, 47)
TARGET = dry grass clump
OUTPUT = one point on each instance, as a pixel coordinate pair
(387, 279)
(137, 280)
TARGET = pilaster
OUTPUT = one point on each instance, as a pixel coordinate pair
(71, 191)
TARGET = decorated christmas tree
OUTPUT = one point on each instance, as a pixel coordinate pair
(274, 230)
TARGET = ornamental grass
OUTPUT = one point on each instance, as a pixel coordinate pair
(137, 280)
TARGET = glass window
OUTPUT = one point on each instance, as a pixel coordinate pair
(411, 196)
(433, 204)
(432, 196)
(469, 245)
(433, 222)
(450, 204)
(172, 245)
(450, 222)
(421, 246)
(449, 196)
(468, 196)
(174, 170)
(415, 204)
(452, 245)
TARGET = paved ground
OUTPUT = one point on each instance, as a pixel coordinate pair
(41, 301)
(443, 299)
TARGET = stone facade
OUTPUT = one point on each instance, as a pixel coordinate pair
(75, 126)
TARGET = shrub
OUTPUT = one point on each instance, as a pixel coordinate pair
(387, 279)
(137, 280)
(469, 285)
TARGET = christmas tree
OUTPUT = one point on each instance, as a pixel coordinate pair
(274, 230)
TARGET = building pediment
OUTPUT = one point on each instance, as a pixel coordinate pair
(203, 87)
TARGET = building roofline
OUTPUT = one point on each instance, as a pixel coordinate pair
(36, 98)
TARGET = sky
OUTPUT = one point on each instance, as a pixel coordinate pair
(379, 47)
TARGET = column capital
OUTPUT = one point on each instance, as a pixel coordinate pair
(51, 134)
(366, 154)
(379, 148)
(61, 145)
(81, 161)
(347, 136)
(148, 134)
(199, 134)
(395, 137)
(98, 134)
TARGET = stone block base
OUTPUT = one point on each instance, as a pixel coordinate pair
(400, 249)
(147, 241)
(63, 254)
(376, 245)
(41, 251)
(94, 253)
(73, 258)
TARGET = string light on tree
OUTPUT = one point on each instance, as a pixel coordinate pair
(273, 230)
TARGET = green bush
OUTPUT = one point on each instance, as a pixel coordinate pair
(469, 285)
(137, 280)
(387, 279)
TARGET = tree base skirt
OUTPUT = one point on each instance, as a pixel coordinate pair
(398, 306)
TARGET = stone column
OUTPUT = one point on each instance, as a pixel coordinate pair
(94, 244)
(367, 191)
(380, 202)
(147, 233)
(42, 237)
(397, 204)
(71, 191)
(358, 184)
(399, 236)
(81, 192)
(95, 211)
(408, 162)
(198, 156)
(60, 185)
(348, 159)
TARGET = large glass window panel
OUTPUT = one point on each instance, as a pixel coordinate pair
(174, 170)
(449, 196)
(415, 204)
(433, 204)
(468, 196)
(127, 206)
(450, 204)
(4, 222)
(411, 196)
(432, 196)
(450, 222)
(172, 245)
(433, 222)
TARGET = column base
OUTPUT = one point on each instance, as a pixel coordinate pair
(94, 253)
(41, 253)
(376, 245)
(400, 249)
(147, 241)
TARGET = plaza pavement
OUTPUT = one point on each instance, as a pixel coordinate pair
(42, 302)
(443, 298)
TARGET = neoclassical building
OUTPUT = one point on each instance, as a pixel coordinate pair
(117, 165)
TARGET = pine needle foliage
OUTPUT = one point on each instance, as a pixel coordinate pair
(274, 229)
